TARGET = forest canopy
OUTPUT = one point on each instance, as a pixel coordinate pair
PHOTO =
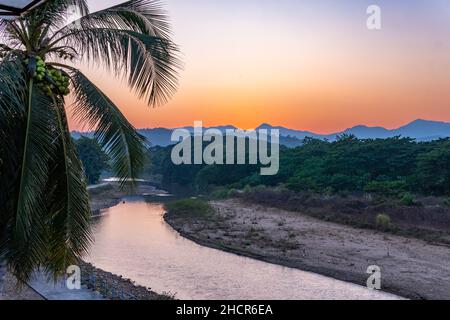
(389, 166)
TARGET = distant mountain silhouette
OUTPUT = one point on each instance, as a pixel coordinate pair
(421, 130)
(290, 132)
(158, 136)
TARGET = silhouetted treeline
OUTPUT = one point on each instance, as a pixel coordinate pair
(389, 166)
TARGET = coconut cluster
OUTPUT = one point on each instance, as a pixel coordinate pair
(49, 79)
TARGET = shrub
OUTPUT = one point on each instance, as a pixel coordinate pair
(232, 193)
(220, 193)
(329, 191)
(446, 202)
(260, 188)
(383, 222)
(407, 199)
(189, 208)
(388, 188)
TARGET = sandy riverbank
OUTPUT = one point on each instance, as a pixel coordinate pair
(410, 268)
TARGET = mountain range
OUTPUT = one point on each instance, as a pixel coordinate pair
(421, 130)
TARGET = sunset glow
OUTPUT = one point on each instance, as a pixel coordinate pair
(309, 65)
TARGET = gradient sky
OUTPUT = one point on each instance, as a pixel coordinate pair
(304, 64)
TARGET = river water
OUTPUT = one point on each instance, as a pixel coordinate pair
(133, 240)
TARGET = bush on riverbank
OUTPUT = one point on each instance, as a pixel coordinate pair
(383, 222)
(192, 208)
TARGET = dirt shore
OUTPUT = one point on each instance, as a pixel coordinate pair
(116, 287)
(410, 268)
(110, 195)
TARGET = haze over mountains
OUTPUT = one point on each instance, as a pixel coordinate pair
(421, 130)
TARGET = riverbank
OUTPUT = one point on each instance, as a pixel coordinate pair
(110, 195)
(411, 268)
(114, 287)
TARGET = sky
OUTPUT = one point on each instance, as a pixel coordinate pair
(304, 64)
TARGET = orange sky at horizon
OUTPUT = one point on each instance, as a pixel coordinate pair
(319, 70)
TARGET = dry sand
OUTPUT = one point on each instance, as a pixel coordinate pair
(411, 268)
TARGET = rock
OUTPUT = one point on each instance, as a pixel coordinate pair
(116, 287)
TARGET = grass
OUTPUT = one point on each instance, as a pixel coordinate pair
(189, 208)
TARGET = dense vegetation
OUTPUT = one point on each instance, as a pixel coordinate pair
(94, 159)
(184, 208)
(394, 167)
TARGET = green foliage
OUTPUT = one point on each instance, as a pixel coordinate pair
(383, 222)
(201, 178)
(407, 199)
(232, 193)
(247, 189)
(220, 175)
(387, 188)
(44, 205)
(119, 139)
(433, 169)
(94, 159)
(389, 167)
(190, 208)
(220, 193)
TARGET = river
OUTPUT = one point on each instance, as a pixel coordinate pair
(133, 240)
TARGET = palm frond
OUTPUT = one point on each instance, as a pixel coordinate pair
(69, 228)
(133, 40)
(151, 64)
(12, 124)
(11, 35)
(26, 248)
(55, 12)
(143, 16)
(117, 136)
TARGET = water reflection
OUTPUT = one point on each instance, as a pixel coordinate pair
(133, 240)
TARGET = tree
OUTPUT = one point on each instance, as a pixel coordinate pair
(92, 156)
(44, 209)
(433, 169)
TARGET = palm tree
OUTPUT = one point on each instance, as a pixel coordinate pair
(44, 205)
